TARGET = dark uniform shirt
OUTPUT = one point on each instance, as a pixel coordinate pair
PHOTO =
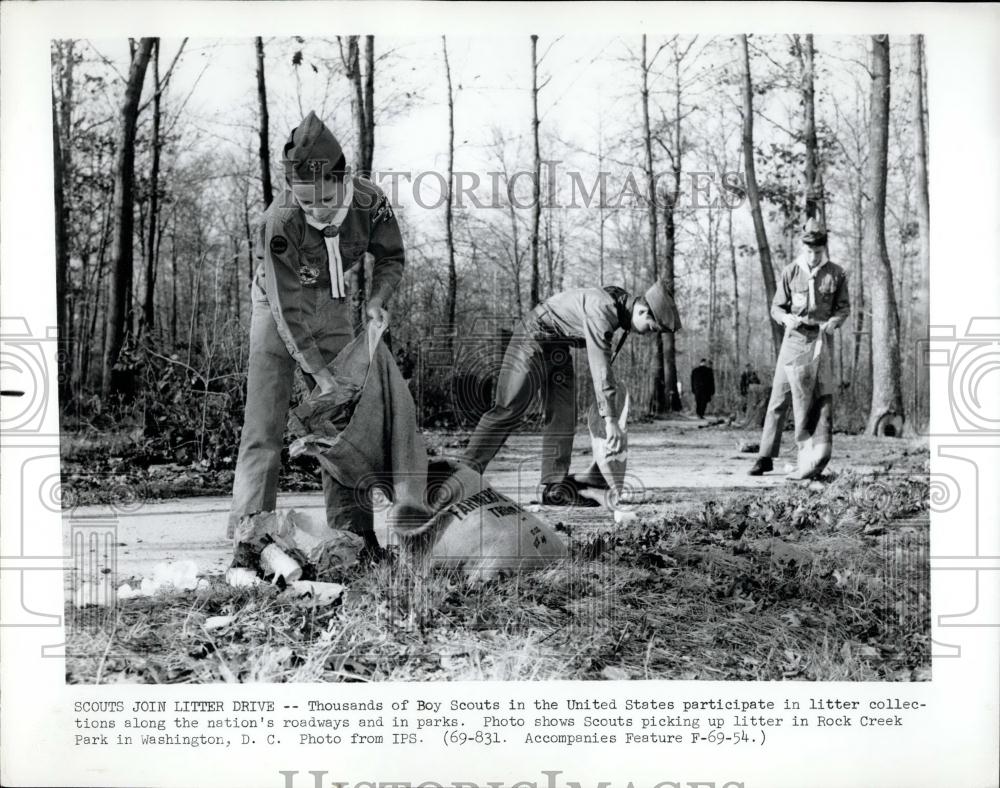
(292, 255)
(588, 317)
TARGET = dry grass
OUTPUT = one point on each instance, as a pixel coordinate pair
(792, 583)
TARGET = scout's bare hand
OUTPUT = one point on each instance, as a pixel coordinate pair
(615, 436)
(377, 312)
(792, 321)
(829, 327)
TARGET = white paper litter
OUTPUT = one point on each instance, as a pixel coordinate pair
(176, 576)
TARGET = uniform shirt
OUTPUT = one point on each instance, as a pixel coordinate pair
(816, 295)
(292, 255)
(588, 317)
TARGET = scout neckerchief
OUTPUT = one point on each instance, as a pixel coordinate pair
(623, 308)
(331, 234)
(811, 273)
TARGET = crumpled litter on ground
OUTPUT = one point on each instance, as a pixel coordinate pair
(291, 544)
(315, 593)
(167, 575)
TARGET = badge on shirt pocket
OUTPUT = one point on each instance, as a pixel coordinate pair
(828, 285)
(800, 300)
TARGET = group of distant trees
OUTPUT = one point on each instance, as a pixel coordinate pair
(155, 233)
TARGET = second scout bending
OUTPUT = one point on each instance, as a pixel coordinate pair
(539, 357)
(312, 234)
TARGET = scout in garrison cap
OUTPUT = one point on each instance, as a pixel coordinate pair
(313, 237)
(539, 352)
(811, 301)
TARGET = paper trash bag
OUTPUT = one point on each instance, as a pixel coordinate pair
(612, 467)
(380, 446)
(482, 531)
(812, 407)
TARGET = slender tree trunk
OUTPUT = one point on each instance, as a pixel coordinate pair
(886, 416)
(119, 302)
(63, 315)
(449, 233)
(369, 104)
(536, 204)
(753, 194)
(922, 382)
(659, 403)
(154, 178)
(736, 289)
(264, 150)
(173, 285)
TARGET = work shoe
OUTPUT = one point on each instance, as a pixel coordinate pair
(564, 493)
(762, 466)
(592, 477)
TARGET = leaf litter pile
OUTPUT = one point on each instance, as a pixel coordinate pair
(828, 581)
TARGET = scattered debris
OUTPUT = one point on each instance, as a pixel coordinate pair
(218, 622)
(241, 577)
(316, 593)
(176, 576)
(275, 561)
(749, 448)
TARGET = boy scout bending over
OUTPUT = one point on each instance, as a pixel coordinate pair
(811, 299)
(311, 236)
(539, 357)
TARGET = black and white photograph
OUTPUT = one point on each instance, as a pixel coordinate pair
(408, 394)
(551, 357)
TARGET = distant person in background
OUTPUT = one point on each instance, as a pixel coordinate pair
(702, 386)
(748, 378)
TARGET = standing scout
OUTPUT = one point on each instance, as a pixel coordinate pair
(811, 299)
(311, 236)
(539, 357)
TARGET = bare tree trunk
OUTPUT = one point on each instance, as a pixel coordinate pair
(886, 415)
(369, 106)
(753, 194)
(63, 315)
(658, 402)
(173, 285)
(923, 199)
(536, 209)
(265, 148)
(736, 289)
(118, 297)
(449, 235)
(154, 178)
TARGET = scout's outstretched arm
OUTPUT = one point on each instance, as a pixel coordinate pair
(280, 249)
(386, 246)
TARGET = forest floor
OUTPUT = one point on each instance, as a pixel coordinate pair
(721, 576)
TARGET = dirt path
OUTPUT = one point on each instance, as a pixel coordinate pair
(676, 464)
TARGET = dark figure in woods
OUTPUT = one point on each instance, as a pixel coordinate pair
(312, 235)
(748, 378)
(811, 300)
(702, 386)
(539, 357)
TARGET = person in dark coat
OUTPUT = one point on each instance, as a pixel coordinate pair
(702, 386)
(748, 378)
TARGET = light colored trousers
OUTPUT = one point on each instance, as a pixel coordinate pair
(797, 347)
(270, 379)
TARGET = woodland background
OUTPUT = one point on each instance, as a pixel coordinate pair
(167, 151)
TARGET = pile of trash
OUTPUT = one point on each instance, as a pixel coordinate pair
(287, 547)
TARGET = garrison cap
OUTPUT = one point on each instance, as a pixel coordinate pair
(311, 151)
(661, 304)
(814, 234)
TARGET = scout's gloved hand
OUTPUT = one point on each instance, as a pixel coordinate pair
(615, 435)
(377, 312)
